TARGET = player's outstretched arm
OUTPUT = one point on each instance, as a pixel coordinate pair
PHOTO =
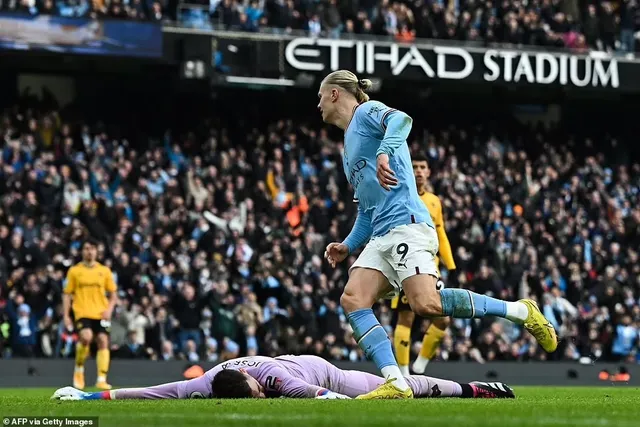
(195, 388)
(164, 391)
(361, 231)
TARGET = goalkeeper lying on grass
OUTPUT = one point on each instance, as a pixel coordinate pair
(286, 376)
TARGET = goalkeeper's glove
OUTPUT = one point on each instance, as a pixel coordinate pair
(330, 395)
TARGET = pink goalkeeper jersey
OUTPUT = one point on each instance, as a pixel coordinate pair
(290, 376)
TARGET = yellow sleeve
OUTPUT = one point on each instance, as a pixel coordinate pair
(71, 281)
(446, 255)
(111, 284)
(271, 184)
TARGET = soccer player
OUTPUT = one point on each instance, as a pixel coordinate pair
(85, 292)
(403, 242)
(287, 376)
(437, 330)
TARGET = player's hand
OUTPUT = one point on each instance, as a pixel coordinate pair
(68, 323)
(386, 177)
(335, 253)
(69, 393)
(330, 395)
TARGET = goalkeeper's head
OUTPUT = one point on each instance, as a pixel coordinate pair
(231, 384)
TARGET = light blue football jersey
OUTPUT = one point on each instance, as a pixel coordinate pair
(388, 209)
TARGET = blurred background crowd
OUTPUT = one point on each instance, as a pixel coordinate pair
(611, 26)
(530, 212)
(147, 10)
(580, 25)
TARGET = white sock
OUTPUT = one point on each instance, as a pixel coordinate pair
(79, 369)
(101, 379)
(404, 369)
(394, 372)
(457, 390)
(420, 365)
(517, 312)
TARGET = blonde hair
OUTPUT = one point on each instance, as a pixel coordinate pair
(350, 83)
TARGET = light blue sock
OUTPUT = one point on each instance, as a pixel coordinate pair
(372, 338)
(464, 304)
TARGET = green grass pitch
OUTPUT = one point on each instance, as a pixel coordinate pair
(534, 406)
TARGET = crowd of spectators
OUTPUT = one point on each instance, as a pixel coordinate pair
(556, 223)
(605, 26)
(611, 26)
(144, 10)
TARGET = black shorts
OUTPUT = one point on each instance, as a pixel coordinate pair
(401, 303)
(96, 325)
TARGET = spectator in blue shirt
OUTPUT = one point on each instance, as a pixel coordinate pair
(625, 339)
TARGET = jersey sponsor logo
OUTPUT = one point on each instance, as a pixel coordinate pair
(88, 284)
(355, 173)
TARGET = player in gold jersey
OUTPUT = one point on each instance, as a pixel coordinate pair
(88, 283)
(436, 332)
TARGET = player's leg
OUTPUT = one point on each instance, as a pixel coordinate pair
(430, 343)
(364, 288)
(461, 303)
(415, 244)
(85, 336)
(355, 383)
(402, 333)
(424, 386)
(432, 339)
(103, 358)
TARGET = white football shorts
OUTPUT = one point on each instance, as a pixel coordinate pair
(403, 252)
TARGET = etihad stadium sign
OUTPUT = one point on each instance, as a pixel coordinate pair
(458, 63)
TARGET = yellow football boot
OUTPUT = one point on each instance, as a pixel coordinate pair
(103, 385)
(388, 391)
(540, 327)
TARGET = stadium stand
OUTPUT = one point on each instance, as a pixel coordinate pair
(573, 24)
(531, 211)
(96, 9)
